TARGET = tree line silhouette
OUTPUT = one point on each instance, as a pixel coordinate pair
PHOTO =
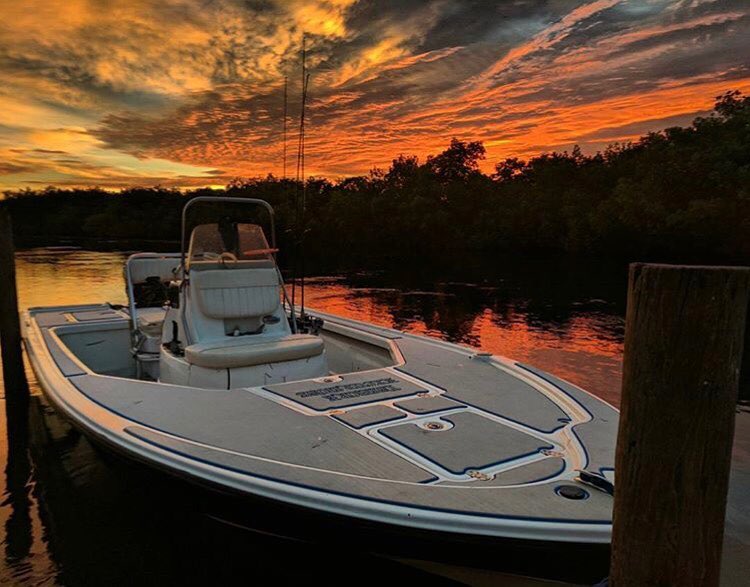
(679, 194)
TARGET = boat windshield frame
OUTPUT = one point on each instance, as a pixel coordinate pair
(229, 243)
(185, 240)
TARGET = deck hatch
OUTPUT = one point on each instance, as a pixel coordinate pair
(480, 384)
(427, 405)
(50, 319)
(369, 415)
(474, 442)
(92, 315)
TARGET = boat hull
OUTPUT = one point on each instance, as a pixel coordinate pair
(559, 561)
(351, 510)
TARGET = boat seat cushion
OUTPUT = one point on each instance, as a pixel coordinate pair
(243, 351)
(236, 293)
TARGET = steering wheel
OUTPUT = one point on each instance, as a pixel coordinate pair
(227, 256)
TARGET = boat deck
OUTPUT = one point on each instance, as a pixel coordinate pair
(447, 430)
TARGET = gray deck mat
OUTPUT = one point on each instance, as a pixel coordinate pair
(480, 384)
(474, 442)
(533, 472)
(66, 365)
(599, 436)
(370, 415)
(353, 389)
(427, 405)
(538, 502)
(244, 422)
(50, 319)
(89, 315)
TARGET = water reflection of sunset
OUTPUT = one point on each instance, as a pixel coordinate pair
(59, 277)
(586, 351)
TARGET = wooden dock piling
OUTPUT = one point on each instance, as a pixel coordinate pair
(744, 393)
(14, 377)
(683, 349)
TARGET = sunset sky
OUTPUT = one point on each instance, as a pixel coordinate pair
(183, 93)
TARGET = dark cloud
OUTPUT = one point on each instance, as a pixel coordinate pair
(10, 168)
(611, 134)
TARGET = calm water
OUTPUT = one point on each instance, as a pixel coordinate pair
(72, 515)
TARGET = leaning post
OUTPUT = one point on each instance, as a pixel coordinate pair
(683, 349)
(14, 378)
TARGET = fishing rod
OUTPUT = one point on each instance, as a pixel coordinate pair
(307, 323)
(286, 101)
(299, 203)
(304, 197)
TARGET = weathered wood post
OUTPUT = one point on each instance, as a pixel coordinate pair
(14, 378)
(683, 347)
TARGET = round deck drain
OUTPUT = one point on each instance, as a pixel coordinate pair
(435, 425)
(571, 492)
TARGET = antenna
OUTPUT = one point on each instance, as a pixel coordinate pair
(286, 83)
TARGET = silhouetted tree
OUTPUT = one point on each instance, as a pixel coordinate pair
(682, 193)
(458, 161)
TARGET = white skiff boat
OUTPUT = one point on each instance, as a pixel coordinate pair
(210, 375)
